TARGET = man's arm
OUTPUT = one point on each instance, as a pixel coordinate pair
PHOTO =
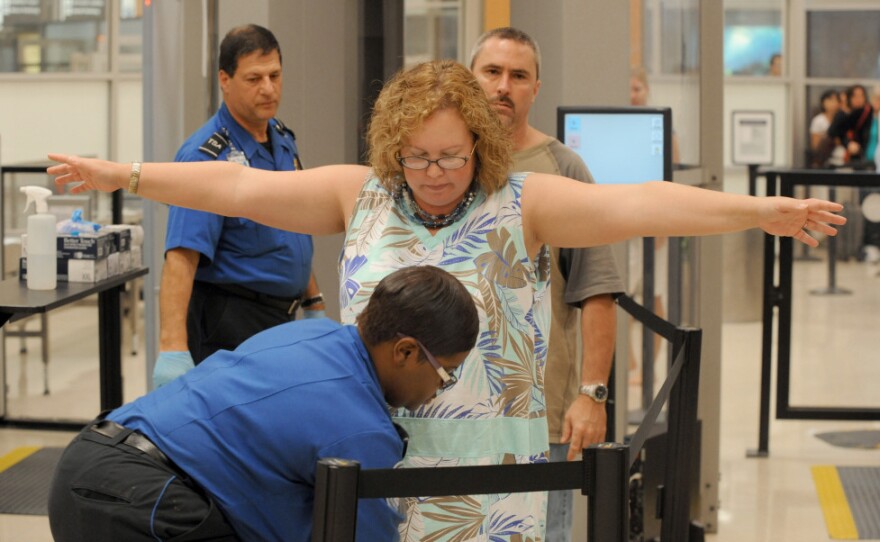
(312, 291)
(585, 420)
(178, 275)
(592, 278)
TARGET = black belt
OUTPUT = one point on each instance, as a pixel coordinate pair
(111, 429)
(287, 304)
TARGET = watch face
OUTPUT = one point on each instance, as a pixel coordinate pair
(598, 392)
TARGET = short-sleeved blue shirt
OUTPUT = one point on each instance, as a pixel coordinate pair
(250, 425)
(237, 250)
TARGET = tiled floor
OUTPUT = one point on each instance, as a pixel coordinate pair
(835, 340)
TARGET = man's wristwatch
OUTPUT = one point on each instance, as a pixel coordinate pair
(596, 392)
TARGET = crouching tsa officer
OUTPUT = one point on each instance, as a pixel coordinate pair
(228, 451)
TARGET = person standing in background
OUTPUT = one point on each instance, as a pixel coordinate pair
(506, 63)
(872, 152)
(853, 126)
(776, 65)
(853, 129)
(871, 249)
(823, 147)
(638, 96)
(227, 278)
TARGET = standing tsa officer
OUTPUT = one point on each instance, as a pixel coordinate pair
(227, 278)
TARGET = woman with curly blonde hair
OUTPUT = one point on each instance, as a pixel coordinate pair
(410, 97)
(439, 194)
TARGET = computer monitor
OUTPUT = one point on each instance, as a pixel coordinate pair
(620, 145)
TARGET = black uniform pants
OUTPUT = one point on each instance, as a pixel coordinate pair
(218, 319)
(106, 491)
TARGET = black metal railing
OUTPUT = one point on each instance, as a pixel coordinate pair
(778, 299)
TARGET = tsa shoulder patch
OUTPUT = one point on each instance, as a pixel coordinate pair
(282, 129)
(215, 145)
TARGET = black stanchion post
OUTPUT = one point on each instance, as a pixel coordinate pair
(682, 441)
(336, 499)
(753, 179)
(770, 301)
(117, 204)
(648, 353)
(607, 489)
(832, 288)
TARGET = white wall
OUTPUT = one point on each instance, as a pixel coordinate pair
(130, 139)
(757, 95)
(38, 116)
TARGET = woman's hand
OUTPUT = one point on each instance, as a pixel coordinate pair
(789, 217)
(92, 174)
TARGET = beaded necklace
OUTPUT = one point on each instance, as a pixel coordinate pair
(404, 194)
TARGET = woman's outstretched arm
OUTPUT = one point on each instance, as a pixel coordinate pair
(314, 201)
(565, 213)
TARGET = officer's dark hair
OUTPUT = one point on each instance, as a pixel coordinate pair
(244, 40)
(423, 302)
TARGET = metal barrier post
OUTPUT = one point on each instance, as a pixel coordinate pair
(771, 301)
(753, 179)
(608, 511)
(336, 500)
(682, 441)
(648, 353)
(832, 288)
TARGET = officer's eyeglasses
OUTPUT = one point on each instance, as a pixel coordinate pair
(448, 379)
(444, 162)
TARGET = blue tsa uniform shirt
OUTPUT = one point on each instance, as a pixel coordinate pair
(237, 250)
(249, 427)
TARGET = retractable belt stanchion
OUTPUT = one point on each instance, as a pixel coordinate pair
(335, 513)
(831, 242)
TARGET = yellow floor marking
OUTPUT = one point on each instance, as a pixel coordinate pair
(838, 516)
(16, 455)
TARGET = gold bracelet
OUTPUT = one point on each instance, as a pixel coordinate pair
(134, 178)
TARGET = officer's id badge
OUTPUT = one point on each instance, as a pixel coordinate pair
(237, 157)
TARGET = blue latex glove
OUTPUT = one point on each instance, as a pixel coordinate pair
(170, 365)
(313, 314)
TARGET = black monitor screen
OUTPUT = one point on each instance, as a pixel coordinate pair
(620, 145)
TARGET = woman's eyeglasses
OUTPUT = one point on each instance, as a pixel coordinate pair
(444, 162)
(448, 379)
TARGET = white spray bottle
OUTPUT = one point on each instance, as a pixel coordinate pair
(41, 243)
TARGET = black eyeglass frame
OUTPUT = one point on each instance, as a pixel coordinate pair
(427, 161)
(448, 379)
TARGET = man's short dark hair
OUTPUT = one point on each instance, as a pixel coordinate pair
(423, 302)
(244, 40)
(512, 34)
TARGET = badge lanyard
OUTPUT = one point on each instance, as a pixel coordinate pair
(235, 156)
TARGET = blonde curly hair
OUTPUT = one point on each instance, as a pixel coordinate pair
(412, 95)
